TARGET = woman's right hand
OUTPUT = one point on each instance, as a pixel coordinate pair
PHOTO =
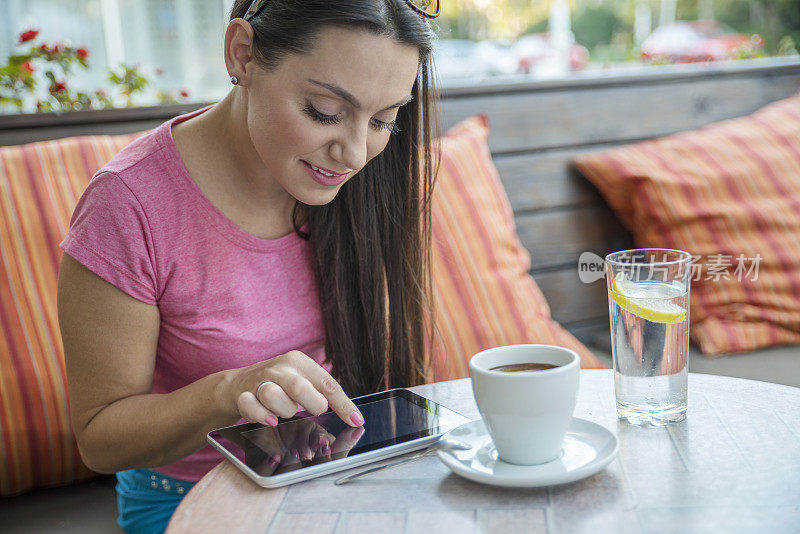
(283, 382)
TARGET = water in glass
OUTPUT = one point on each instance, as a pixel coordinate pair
(649, 332)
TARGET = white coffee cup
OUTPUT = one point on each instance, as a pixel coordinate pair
(527, 413)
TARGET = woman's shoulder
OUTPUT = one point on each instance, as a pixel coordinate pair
(136, 188)
(151, 162)
(146, 156)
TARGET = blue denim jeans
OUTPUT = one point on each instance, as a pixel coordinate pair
(146, 500)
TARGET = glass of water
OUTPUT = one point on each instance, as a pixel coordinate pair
(648, 301)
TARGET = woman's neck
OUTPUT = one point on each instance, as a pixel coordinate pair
(219, 154)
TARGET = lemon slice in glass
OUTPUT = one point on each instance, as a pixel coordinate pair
(648, 301)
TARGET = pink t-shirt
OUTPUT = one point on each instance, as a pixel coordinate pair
(227, 299)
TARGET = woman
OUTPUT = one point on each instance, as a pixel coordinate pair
(259, 256)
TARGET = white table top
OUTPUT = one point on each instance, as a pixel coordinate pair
(732, 466)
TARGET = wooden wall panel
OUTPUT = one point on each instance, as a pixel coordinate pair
(557, 238)
(20, 129)
(572, 301)
(537, 129)
(545, 180)
(536, 119)
(22, 137)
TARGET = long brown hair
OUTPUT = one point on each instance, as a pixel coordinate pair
(371, 244)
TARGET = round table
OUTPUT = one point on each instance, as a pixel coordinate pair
(732, 466)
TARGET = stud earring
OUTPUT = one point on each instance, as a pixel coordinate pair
(235, 80)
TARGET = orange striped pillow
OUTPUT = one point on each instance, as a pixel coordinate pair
(483, 293)
(729, 193)
(39, 186)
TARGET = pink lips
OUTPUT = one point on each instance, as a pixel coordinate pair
(325, 180)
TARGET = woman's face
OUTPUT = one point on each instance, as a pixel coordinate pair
(317, 119)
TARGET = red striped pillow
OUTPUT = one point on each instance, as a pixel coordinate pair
(729, 193)
(483, 293)
(39, 186)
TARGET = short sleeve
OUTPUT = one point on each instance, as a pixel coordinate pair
(109, 234)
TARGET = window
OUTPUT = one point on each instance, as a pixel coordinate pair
(178, 43)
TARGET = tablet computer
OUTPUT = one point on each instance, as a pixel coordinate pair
(395, 421)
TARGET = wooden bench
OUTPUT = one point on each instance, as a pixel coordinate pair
(537, 128)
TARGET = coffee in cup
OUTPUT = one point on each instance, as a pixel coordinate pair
(528, 366)
(526, 396)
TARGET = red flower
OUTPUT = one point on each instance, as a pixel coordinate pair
(184, 93)
(58, 87)
(82, 52)
(44, 48)
(56, 48)
(28, 35)
(27, 67)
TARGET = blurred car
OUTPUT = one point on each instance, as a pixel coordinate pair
(535, 48)
(452, 58)
(694, 41)
(460, 58)
(496, 56)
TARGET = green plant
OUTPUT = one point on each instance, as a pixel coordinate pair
(17, 78)
(21, 87)
(129, 80)
(171, 97)
(787, 46)
(595, 26)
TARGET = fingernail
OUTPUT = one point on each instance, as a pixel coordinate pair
(295, 454)
(358, 433)
(272, 420)
(356, 418)
(322, 441)
(326, 450)
(274, 460)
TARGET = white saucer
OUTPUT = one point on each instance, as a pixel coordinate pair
(588, 448)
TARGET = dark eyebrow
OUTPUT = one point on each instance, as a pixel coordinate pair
(335, 89)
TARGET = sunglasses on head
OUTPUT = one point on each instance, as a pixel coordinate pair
(426, 8)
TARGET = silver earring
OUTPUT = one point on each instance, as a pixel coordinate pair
(235, 80)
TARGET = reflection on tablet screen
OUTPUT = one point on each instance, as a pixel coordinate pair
(300, 442)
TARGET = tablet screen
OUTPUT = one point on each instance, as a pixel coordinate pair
(390, 417)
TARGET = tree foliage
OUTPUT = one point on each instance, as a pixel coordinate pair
(598, 23)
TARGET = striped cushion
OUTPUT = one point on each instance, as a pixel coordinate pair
(39, 186)
(728, 193)
(483, 293)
